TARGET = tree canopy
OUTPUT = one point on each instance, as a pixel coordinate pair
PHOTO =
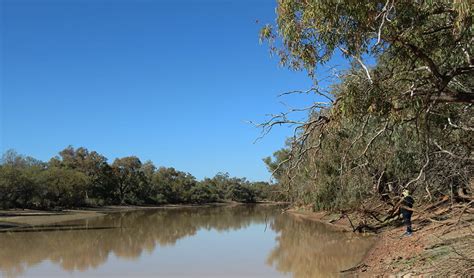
(399, 117)
(79, 177)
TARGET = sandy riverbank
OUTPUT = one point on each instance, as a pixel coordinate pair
(15, 219)
(20, 219)
(434, 250)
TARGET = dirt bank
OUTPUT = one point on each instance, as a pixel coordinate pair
(18, 219)
(337, 222)
(435, 249)
(13, 220)
(24, 219)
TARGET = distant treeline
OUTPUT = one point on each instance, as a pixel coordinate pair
(79, 177)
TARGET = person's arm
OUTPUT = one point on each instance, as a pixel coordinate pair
(399, 205)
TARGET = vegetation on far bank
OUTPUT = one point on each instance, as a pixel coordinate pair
(79, 177)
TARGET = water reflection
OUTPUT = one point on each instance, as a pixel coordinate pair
(303, 249)
(134, 233)
(311, 249)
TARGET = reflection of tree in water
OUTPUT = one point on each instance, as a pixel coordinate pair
(134, 232)
(310, 249)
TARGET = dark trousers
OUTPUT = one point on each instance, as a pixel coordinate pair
(407, 220)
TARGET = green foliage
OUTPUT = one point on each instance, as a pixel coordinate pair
(63, 188)
(202, 193)
(403, 122)
(174, 185)
(241, 193)
(18, 180)
(78, 178)
(129, 179)
(16, 187)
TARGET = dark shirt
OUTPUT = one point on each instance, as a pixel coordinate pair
(407, 201)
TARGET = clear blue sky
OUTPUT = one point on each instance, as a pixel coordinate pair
(169, 81)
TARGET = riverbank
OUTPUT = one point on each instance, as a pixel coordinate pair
(25, 219)
(435, 249)
(20, 219)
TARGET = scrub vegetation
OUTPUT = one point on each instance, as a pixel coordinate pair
(399, 117)
(79, 178)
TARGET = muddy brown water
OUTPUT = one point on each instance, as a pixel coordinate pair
(238, 241)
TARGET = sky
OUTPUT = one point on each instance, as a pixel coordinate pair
(174, 82)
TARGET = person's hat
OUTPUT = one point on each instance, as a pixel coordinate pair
(405, 192)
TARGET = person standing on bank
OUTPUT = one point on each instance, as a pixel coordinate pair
(405, 209)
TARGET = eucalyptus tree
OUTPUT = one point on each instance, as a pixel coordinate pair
(92, 164)
(402, 121)
(173, 186)
(129, 178)
(61, 187)
(18, 180)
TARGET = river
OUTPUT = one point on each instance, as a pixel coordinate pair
(222, 241)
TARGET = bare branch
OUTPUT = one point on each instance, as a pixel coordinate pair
(384, 14)
(373, 139)
(361, 63)
(459, 127)
(429, 62)
(315, 90)
(353, 142)
(420, 173)
(450, 153)
(379, 180)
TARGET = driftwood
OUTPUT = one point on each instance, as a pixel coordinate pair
(431, 212)
(361, 227)
(462, 195)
